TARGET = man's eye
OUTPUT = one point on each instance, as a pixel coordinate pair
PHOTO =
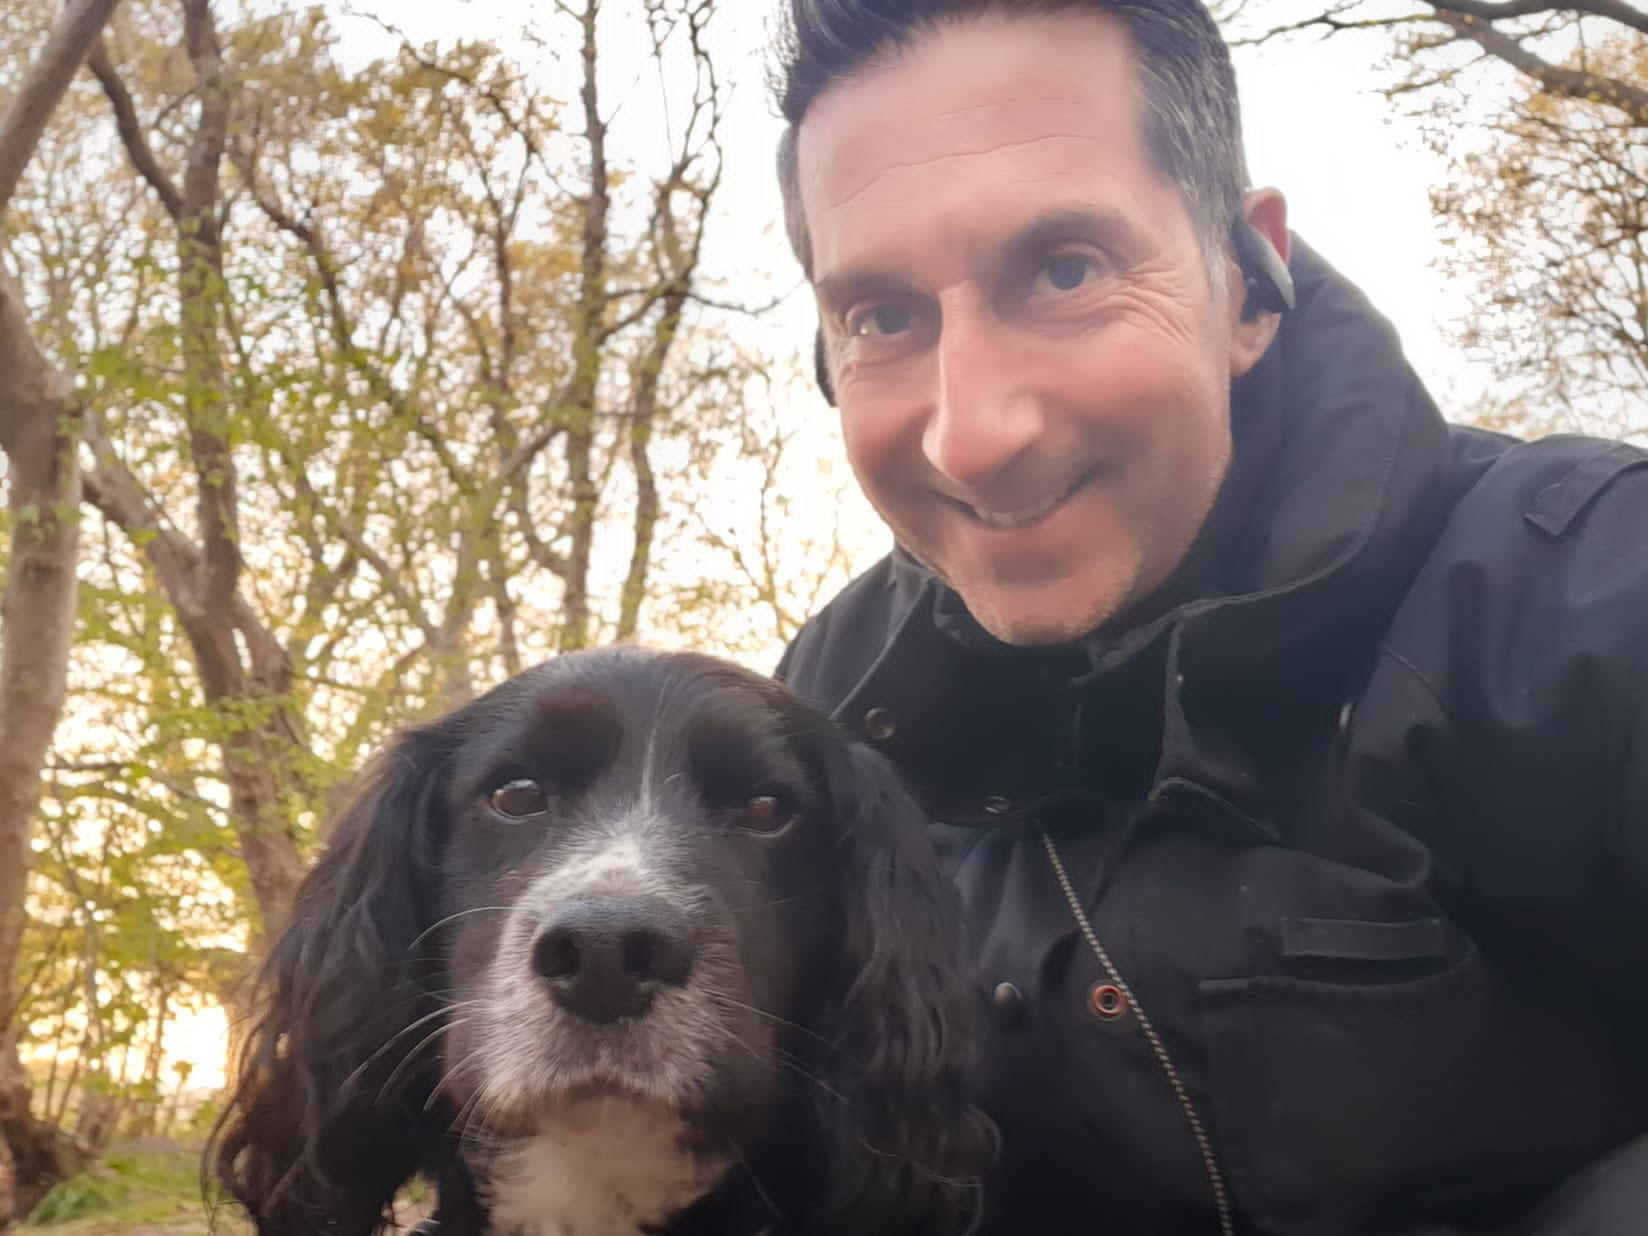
(880, 321)
(519, 799)
(1065, 272)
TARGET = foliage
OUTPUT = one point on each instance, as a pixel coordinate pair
(1541, 113)
(1548, 220)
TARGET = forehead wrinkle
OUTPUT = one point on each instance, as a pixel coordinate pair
(957, 241)
(859, 150)
(1063, 86)
(895, 166)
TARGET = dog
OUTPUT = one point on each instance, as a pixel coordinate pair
(634, 943)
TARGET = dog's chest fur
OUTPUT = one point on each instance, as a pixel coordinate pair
(603, 1167)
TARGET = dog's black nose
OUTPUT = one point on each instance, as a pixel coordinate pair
(604, 958)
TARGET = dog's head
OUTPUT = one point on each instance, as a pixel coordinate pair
(622, 875)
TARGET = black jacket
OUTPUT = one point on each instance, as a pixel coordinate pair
(1361, 821)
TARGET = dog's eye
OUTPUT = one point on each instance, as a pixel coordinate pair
(519, 798)
(767, 813)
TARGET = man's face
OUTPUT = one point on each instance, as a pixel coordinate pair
(1031, 362)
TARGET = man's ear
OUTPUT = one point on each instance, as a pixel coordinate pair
(1261, 290)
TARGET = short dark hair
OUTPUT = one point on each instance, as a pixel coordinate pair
(1192, 120)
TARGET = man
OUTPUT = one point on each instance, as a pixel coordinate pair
(1290, 747)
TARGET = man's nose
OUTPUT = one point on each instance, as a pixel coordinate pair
(985, 412)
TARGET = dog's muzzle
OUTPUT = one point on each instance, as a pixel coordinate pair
(604, 959)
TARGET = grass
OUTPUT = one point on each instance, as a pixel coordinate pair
(143, 1193)
(140, 1193)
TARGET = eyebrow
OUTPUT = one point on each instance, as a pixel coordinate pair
(1056, 227)
(1074, 223)
(849, 287)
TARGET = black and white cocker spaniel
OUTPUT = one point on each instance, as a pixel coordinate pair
(634, 943)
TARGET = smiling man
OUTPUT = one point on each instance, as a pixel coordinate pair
(1032, 357)
(1288, 744)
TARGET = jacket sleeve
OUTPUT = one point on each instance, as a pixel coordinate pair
(1529, 644)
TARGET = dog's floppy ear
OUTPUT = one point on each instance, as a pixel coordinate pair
(327, 1117)
(906, 1148)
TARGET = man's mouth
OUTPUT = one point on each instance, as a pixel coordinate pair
(1025, 516)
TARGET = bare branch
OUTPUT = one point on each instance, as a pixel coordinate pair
(114, 491)
(341, 326)
(516, 125)
(579, 409)
(1570, 83)
(131, 132)
(751, 311)
(1335, 25)
(361, 548)
(45, 82)
(1505, 10)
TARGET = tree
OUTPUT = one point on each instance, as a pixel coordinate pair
(359, 313)
(39, 431)
(1548, 222)
(1537, 38)
(396, 376)
(1544, 206)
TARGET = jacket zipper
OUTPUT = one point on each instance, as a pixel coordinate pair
(1221, 1199)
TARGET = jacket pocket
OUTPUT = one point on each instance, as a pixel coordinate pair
(1347, 1107)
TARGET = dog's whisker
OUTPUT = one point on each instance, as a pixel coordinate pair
(755, 1183)
(451, 1072)
(478, 1131)
(434, 1036)
(786, 1060)
(733, 1002)
(387, 1046)
(781, 1056)
(452, 918)
(463, 1119)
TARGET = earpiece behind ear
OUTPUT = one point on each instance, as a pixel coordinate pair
(1265, 275)
(821, 368)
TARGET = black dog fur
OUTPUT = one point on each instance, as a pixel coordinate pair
(645, 905)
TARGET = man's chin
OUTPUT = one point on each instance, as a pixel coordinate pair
(1034, 612)
(1023, 623)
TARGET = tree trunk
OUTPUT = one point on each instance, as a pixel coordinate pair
(584, 387)
(245, 673)
(39, 431)
(39, 428)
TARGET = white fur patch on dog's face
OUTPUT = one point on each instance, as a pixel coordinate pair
(527, 1049)
(599, 1167)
